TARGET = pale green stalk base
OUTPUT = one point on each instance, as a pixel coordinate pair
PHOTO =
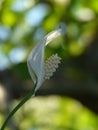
(25, 99)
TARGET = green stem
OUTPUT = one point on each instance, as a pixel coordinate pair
(24, 100)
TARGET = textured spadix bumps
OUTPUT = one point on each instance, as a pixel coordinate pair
(51, 65)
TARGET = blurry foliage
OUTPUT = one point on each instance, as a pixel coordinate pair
(22, 24)
(55, 113)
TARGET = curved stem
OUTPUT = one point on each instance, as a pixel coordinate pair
(24, 100)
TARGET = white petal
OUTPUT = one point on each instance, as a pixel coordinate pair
(35, 63)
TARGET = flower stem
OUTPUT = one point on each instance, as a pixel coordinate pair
(24, 100)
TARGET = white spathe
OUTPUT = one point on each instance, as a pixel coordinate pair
(35, 61)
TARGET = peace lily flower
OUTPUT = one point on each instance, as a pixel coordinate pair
(39, 69)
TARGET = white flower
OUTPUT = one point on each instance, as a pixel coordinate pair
(38, 69)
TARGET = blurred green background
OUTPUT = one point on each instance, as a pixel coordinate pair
(69, 101)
